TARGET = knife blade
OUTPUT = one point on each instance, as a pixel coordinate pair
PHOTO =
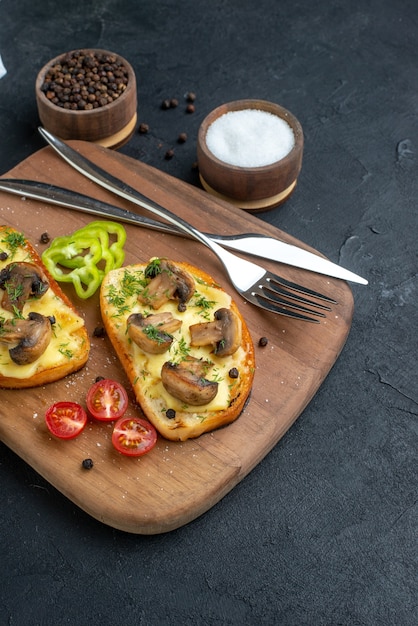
(254, 243)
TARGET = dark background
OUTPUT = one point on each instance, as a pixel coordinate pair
(324, 530)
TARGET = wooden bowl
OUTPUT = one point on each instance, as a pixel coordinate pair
(110, 125)
(255, 188)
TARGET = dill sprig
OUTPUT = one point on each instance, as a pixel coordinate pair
(13, 241)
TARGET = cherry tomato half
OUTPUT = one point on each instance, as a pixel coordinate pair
(134, 436)
(66, 420)
(107, 400)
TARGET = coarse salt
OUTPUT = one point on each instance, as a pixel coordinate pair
(250, 138)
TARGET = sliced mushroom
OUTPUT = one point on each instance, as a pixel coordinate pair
(169, 283)
(31, 337)
(152, 332)
(224, 333)
(20, 282)
(186, 381)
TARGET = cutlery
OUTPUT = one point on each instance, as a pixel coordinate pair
(256, 244)
(255, 284)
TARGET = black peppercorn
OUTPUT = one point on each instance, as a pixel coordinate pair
(233, 373)
(170, 414)
(165, 104)
(169, 154)
(190, 96)
(87, 464)
(263, 341)
(182, 138)
(98, 378)
(174, 103)
(3, 256)
(99, 331)
(190, 108)
(44, 238)
(143, 129)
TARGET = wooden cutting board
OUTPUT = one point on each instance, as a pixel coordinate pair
(175, 482)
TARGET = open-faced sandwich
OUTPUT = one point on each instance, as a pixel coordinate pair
(183, 344)
(42, 337)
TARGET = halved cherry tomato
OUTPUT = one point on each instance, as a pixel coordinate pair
(133, 436)
(107, 400)
(66, 420)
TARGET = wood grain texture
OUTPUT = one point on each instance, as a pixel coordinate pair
(176, 482)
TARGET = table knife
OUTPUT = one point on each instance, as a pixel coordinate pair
(256, 244)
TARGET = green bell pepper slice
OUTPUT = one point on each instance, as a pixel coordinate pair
(87, 256)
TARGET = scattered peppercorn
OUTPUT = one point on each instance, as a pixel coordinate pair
(181, 307)
(87, 464)
(174, 103)
(99, 331)
(3, 256)
(84, 80)
(182, 138)
(165, 104)
(190, 108)
(190, 96)
(143, 129)
(263, 341)
(233, 373)
(98, 378)
(44, 238)
(169, 154)
(195, 165)
(170, 414)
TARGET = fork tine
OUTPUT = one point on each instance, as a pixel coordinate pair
(278, 295)
(287, 301)
(277, 282)
(269, 305)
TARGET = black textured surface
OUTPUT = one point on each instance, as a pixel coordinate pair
(324, 530)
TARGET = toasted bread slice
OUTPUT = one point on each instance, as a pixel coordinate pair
(42, 337)
(216, 384)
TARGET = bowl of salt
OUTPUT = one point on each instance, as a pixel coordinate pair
(249, 153)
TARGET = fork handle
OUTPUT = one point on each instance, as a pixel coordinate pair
(117, 186)
(242, 273)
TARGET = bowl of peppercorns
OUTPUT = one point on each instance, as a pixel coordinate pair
(88, 94)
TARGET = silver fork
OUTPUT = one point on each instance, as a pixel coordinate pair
(255, 284)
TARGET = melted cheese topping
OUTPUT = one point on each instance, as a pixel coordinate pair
(120, 304)
(64, 343)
